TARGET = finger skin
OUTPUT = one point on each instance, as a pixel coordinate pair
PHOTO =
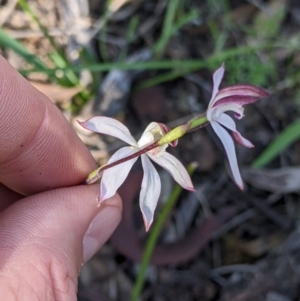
(41, 237)
(38, 149)
(7, 197)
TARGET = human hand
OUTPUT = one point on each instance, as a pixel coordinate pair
(48, 226)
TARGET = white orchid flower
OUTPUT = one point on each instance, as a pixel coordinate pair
(113, 177)
(231, 99)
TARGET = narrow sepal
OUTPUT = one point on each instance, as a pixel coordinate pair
(230, 152)
(217, 78)
(228, 122)
(109, 126)
(175, 168)
(113, 177)
(150, 191)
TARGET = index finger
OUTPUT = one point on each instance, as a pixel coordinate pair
(38, 148)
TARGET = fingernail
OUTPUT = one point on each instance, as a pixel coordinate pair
(99, 231)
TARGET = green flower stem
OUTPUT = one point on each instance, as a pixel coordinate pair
(181, 130)
(197, 122)
(154, 234)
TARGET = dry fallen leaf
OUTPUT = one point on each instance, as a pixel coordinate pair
(114, 91)
(115, 5)
(283, 180)
(56, 93)
(242, 14)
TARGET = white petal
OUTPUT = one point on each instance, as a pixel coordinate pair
(150, 191)
(153, 127)
(240, 94)
(175, 168)
(109, 126)
(216, 112)
(155, 131)
(146, 139)
(152, 132)
(228, 122)
(210, 114)
(230, 151)
(217, 78)
(113, 177)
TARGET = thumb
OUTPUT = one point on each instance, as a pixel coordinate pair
(53, 233)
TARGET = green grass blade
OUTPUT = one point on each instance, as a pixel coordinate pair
(187, 66)
(8, 42)
(70, 77)
(279, 144)
(167, 29)
(179, 67)
(103, 67)
(189, 17)
(129, 37)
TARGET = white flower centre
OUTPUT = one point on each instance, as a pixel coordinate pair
(146, 139)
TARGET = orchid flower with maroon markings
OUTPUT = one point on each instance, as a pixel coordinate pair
(114, 176)
(231, 99)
